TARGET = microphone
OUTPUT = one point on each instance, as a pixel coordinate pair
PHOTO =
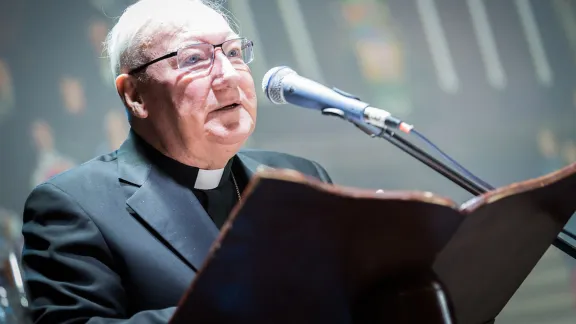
(283, 85)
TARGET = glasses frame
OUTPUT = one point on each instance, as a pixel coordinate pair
(175, 53)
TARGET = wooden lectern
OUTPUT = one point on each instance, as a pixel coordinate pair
(300, 251)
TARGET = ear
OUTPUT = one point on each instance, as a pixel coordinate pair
(127, 87)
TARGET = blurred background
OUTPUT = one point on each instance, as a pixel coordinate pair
(492, 82)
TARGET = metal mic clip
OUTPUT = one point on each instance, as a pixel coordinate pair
(370, 130)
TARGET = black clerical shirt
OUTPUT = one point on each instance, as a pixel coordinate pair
(217, 202)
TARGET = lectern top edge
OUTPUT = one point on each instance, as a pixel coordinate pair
(346, 191)
(414, 195)
(518, 188)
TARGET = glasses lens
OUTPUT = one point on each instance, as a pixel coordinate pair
(239, 51)
(197, 57)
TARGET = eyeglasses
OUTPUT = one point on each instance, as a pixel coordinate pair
(199, 57)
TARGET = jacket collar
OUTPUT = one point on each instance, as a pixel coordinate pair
(169, 209)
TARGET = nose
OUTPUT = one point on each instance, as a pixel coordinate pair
(226, 75)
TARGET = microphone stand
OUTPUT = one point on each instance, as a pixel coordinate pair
(425, 292)
(448, 172)
(467, 184)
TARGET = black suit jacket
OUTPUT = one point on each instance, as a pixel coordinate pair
(115, 240)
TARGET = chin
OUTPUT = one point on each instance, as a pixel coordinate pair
(231, 134)
(236, 139)
(230, 128)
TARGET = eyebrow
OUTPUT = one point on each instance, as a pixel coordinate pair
(228, 36)
(187, 43)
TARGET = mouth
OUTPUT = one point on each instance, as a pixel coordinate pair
(229, 107)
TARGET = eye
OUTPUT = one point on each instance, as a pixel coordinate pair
(236, 52)
(194, 55)
(192, 59)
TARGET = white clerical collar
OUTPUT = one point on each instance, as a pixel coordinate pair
(208, 179)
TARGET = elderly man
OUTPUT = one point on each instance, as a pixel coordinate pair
(120, 238)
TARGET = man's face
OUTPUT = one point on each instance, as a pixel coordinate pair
(188, 105)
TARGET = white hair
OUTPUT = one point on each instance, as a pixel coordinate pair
(124, 42)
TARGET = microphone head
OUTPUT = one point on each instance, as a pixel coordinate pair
(272, 83)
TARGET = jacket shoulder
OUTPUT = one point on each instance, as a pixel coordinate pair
(281, 160)
(89, 173)
(273, 158)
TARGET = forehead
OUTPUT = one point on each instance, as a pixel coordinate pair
(198, 23)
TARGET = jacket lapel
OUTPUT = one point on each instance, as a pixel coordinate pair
(169, 210)
(176, 216)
